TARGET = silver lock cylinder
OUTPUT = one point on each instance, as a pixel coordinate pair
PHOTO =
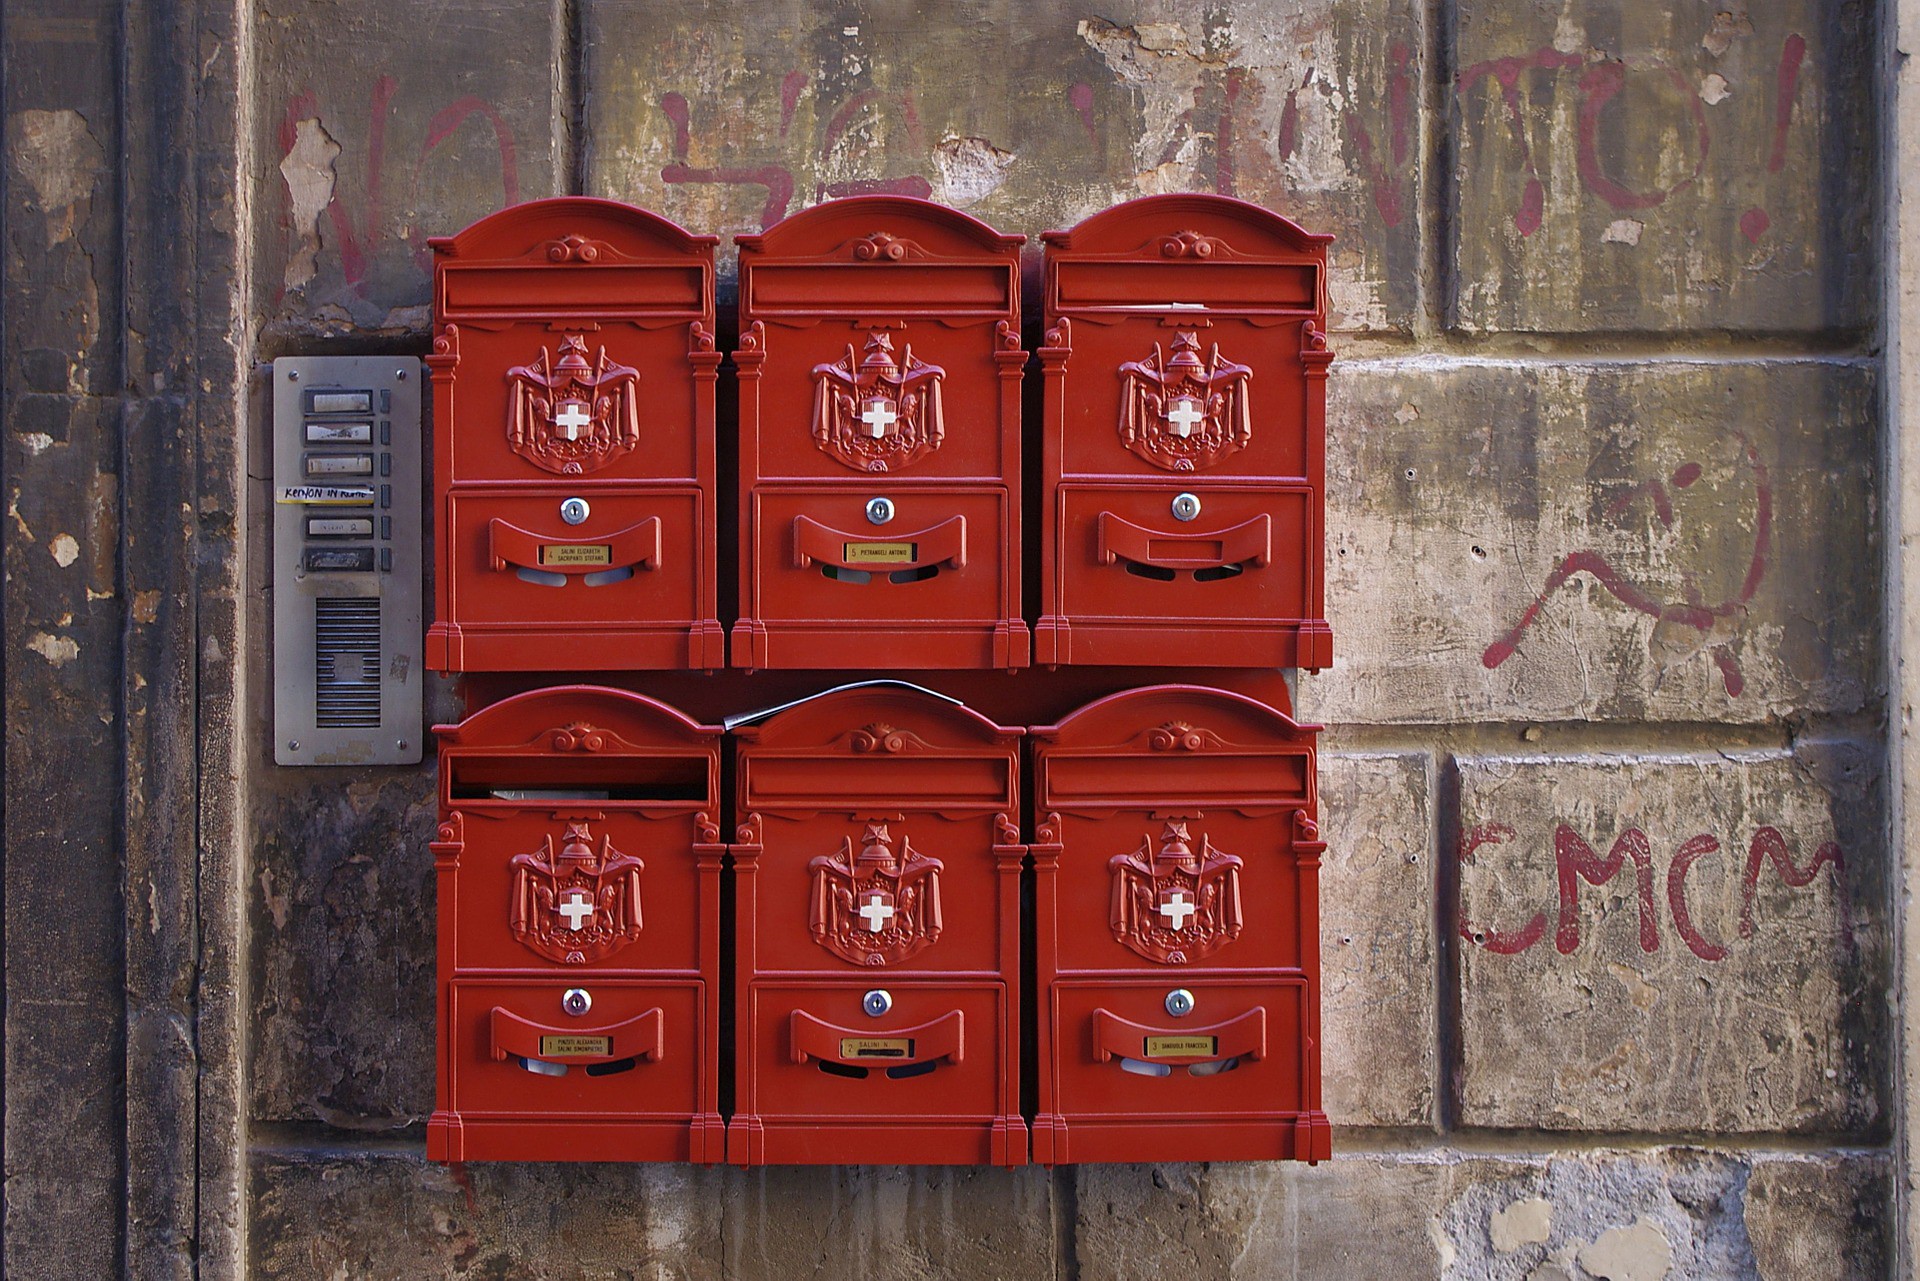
(575, 511)
(879, 510)
(877, 1002)
(1186, 506)
(576, 1001)
(1179, 1003)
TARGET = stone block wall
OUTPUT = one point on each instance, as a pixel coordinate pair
(1606, 918)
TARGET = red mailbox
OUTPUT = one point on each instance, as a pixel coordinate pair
(1176, 867)
(877, 909)
(1184, 438)
(880, 365)
(573, 376)
(578, 865)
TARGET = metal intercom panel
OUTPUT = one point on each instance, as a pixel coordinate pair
(347, 625)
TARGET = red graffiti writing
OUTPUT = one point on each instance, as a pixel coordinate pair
(1714, 623)
(356, 241)
(1575, 860)
(1598, 85)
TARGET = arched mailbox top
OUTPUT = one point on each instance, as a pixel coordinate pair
(880, 230)
(1175, 719)
(592, 720)
(574, 230)
(878, 721)
(1225, 227)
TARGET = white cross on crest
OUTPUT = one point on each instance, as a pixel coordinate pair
(578, 907)
(1178, 909)
(877, 912)
(878, 416)
(1185, 416)
(571, 418)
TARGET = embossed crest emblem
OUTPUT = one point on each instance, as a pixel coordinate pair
(576, 906)
(570, 417)
(1182, 413)
(1176, 905)
(876, 907)
(879, 414)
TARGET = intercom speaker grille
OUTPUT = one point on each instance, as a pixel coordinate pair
(346, 656)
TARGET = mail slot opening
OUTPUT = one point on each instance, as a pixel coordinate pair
(603, 577)
(540, 578)
(1205, 574)
(839, 575)
(841, 1069)
(540, 1067)
(533, 780)
(903, 1071)
(1141, 1067)
(614, 1068)
(919, 574)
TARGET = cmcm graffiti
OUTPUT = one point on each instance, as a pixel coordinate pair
(1575, 861)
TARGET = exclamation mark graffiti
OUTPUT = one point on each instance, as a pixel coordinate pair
(1754, 222)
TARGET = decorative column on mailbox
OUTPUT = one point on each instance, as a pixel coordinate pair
(1177, 935)
(877, 922)
(1184, 438)
(573, 386)
(879, 367)
(578, 865)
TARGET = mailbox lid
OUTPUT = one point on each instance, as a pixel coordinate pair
(879, 255)
(1185, 328)
(630, 752)
(1203, 254)
(879, 747)
(880, 333)
(576, 331)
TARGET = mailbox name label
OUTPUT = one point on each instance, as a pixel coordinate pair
(566, 1047)
(876, 1047)
(576, 554)
(1182, 1047)
(879, 553)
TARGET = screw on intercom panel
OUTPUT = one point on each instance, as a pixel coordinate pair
(576, 1001)
(877, 1002)
(1179, 1003)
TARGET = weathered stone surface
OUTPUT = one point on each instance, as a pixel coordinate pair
(1662, 541)
(1352, 1216)
(389, 1213)
(1662, 167)
(1378, 985)
(1820, 1216)
(343, 940)
(382, 125)
(1726, 977)
(892, 1223)
(1030, 117)
(1625, 1216)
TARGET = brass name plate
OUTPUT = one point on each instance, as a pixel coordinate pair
(576, 554)
(876, 1047)
(1182, 1047)
(879, 553)
(567, 1047)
